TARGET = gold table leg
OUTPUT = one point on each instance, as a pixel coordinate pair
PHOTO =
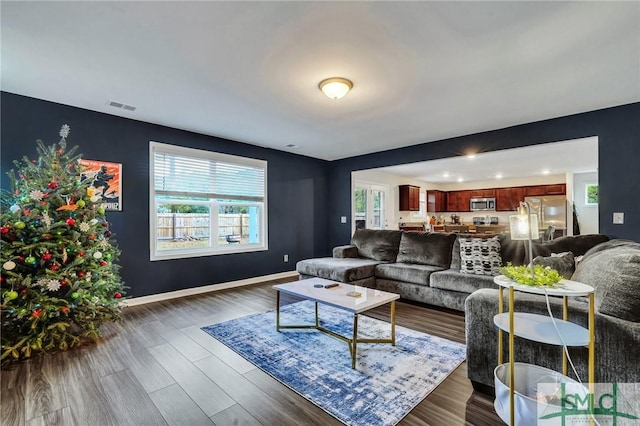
(277, 310)
(393, 323)
(354, 341)
(500, 309)
(512, 414)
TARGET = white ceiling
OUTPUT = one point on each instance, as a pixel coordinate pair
(559, 158)
(248, 71)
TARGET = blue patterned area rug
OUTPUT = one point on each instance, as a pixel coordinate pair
(388, 381)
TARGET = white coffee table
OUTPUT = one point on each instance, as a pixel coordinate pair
(337, 297)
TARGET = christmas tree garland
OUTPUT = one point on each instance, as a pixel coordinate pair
(60, 280)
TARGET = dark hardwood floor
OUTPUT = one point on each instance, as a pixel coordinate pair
(157, 367)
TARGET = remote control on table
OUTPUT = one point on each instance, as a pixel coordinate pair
(331, 285)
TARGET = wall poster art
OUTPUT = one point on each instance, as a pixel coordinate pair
(106, 180)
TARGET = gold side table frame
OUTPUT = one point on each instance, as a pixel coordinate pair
(565, 316)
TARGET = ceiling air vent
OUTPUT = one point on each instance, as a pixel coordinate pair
(121, 105)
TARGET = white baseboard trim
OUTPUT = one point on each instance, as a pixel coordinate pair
(206, 289)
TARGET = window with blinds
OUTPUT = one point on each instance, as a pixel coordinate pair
(204, 202)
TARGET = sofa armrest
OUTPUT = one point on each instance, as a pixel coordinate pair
(346, 251)
(617, 341)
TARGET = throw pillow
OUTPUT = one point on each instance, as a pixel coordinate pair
(564, 263)
(615, 273)
(426, 248)
(480, 256)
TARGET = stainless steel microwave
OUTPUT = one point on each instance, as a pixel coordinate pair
(481, 204)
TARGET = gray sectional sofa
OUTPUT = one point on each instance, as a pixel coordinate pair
(427, 267)
(430, 268)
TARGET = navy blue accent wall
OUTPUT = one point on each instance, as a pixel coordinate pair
(618, 132)
(297, 192)
(306, 196)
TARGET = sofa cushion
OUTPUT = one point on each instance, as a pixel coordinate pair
(377, 244)
(454, 280)
(614, 271)
(480, 256)
(426, 248)
(514, 251)
(345, 270)
(406, 272)
(564, 263)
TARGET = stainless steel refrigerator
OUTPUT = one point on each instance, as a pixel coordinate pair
(551, 210)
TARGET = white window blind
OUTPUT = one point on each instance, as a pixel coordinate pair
(186, 176)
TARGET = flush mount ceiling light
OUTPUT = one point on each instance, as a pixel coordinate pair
(335, 87)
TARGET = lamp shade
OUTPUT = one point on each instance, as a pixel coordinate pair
(519, 226)
(335, 87)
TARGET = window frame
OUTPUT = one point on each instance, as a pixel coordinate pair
(586, 194)
(214, 203)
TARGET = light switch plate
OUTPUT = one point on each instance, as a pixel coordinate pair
(343, 219)
(618, 218)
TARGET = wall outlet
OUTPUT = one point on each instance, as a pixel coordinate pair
(343, 219)
(286, 258)
(618, 218)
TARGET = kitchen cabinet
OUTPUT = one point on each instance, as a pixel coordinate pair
(508, 199)
(409, 198)
(458, 201)
(536, 190)
(539, 190)
(558, 189)
(436, 201)
(482, 193)
(464, 201)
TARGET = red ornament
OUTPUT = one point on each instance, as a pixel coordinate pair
(26, 212)
(71, 221)
(23, 291)
(107, 233)
(47, 256)
(105, 223)
(52, 185)
(81, 274)
(37, 313)
(63, 282)
(4, 229)
(55, 267)
(92, 236)
(17, 191)
(103, 263)
(64, 309)
(118, 295)
(80, 253)
(21, 258)
(61, 151)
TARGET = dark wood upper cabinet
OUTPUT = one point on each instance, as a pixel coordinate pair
(482, 193)
(558, 189)
(436, 201)
(409, 198)
(536, 190)
(464, 201)
(508, 199)
(539, 190)
(458, 201)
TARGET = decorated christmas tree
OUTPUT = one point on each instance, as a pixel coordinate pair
(60, 279)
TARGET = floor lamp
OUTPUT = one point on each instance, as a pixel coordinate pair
(524, 226)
